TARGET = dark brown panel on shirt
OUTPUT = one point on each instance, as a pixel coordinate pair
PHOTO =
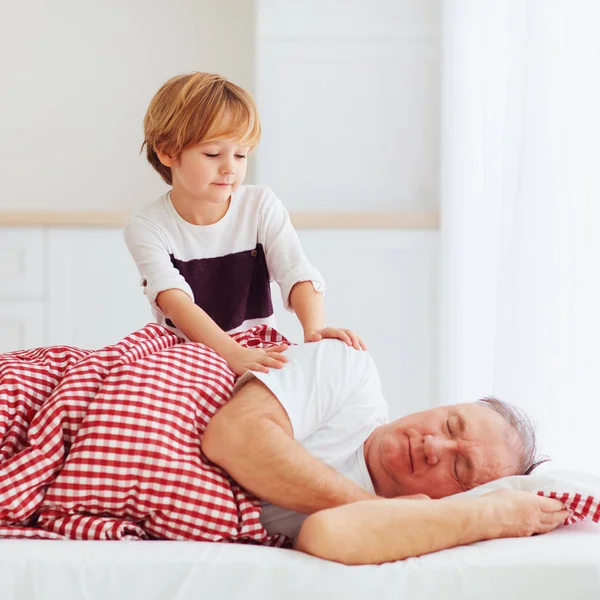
(231, 288)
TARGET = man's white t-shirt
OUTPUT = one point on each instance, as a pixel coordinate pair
(332, 395)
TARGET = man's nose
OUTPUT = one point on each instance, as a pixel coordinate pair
(435, 447)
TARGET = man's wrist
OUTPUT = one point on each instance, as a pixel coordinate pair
(488, 524)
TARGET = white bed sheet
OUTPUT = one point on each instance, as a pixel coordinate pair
(564, 564)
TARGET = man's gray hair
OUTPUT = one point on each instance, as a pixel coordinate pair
(525, 429)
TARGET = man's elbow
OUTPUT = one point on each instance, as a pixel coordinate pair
(219, 440)
(321, 537)
(227, 437)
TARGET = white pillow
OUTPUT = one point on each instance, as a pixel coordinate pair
(579, 491)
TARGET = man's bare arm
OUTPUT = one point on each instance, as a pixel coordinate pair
(251, 438)
(394, 529)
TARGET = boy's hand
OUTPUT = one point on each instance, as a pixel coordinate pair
(346, 335)
(242, 359)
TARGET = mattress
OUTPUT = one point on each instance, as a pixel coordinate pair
(564, 564)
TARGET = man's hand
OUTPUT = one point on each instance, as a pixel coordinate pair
(515, 513)
(242, 359)
(346, 335)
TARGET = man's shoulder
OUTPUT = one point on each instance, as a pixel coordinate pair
(334, 360)
(351, 357)
(335, 350)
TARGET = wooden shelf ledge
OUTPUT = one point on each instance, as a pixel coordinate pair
(301, 220)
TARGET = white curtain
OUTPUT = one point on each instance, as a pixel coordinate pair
(520, 215)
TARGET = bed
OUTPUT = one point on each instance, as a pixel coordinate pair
(564, 564)
(81, 458)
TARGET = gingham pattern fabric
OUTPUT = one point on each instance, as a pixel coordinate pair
(106, 444)
(582, 505)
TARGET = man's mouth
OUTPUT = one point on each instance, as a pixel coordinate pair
(412, 466)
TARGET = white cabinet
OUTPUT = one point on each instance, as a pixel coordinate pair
(93, 288)
(21, 325)
(71, 286)
(22, 289)
(21, 264)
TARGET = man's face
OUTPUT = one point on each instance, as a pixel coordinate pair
(441, 451)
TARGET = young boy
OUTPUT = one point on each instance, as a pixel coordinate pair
(207, 249)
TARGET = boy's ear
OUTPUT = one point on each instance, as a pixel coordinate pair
(165, 159)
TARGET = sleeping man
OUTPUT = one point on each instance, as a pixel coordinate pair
(312, 441)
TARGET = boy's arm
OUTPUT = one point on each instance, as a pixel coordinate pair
(394, 529)
(302, 286)
(251, 438)
(308, 306)
(197, 326)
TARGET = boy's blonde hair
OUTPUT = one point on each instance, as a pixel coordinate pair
(193, 108)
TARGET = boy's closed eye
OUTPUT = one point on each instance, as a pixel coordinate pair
(238, 156)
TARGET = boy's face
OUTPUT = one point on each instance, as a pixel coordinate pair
(209, 172)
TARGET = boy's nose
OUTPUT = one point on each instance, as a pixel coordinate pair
(227, 166)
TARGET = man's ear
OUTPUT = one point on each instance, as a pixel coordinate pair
(166, 159)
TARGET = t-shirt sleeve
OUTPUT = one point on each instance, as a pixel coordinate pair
(286, 260)
(150, 251)
(316, 382)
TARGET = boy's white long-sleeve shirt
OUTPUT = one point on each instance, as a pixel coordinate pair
(225, 268)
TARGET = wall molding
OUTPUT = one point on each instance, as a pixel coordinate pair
(301, 220)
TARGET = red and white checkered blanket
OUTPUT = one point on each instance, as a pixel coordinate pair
(106, 444)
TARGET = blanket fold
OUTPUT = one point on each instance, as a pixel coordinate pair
(105, 444)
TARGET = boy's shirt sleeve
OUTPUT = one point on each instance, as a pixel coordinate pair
(151, 253)
(286, 260)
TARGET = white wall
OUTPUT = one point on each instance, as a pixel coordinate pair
(349, 100)
(77, 76)
(349, 96)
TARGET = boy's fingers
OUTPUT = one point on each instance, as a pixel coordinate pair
(280, 348)
(355, 339)
(344, 337)
(276, 356)
(272, 364)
